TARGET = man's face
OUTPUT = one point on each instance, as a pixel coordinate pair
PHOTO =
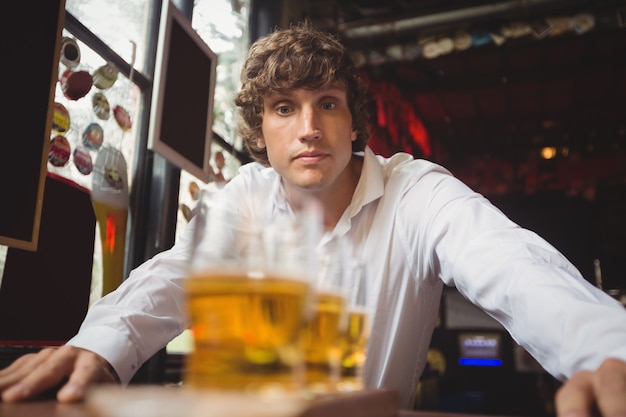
(308, 136)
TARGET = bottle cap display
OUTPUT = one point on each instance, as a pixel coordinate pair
(70, 52)
(60, 118)
(93, 136)
(101, 106)
(445, 45)
(82, 160)
(59, 152)
(122, 118)
(75, 84)
(105, 76)
(431, 50)
(462, 41)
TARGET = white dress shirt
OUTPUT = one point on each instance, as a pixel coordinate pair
(418, 228)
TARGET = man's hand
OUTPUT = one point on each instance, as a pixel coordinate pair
(601, 392)
(70, 368)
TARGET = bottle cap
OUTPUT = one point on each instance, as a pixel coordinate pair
(101, 106)
(82, 160)
(60, 118)
(93, 136)
(105, 76)
(122, 118)
(70, 52)
(59, 152)
(75, 84)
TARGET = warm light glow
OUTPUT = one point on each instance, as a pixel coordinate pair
(110, 233)
(548, 152)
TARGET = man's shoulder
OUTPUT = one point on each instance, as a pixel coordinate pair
(256, 172)
(253, 176)
(401, 163)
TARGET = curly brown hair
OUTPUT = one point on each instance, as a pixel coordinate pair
(298, 57)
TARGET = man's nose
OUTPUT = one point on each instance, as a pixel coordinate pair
(309, 128)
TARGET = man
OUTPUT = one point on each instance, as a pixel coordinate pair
(304, 119)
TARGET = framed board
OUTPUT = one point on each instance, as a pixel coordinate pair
(181, 120)
(31, 59)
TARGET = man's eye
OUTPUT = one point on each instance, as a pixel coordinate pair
(282, 110)
(328, 106)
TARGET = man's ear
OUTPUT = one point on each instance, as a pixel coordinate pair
(353, 135)
(260, 141)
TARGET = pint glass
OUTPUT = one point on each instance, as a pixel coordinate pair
(248, 296)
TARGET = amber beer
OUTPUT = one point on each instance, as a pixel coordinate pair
(109, 196)
(245, 332)
(112, 226)
(321, 340)
(353, 353)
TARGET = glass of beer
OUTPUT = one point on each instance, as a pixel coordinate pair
(110, 200)
(248, 296)
(322, 336)
(357, 330)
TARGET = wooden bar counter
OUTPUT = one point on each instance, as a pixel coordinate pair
(50, 408)
(162, 402)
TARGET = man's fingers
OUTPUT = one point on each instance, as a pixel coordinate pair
(39, 373)
(575, 397)
(609, 384)
(89, 369)
(19, 370)
(602, 392)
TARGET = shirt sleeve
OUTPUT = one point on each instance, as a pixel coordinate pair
(522, 281)
(132, 323)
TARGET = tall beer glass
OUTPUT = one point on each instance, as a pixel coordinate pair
(248, 295)
(357, 331)
(110, 201)
(322, 337)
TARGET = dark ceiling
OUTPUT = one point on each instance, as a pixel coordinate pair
(535, 73)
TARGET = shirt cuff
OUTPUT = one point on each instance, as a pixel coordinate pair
(112, 346)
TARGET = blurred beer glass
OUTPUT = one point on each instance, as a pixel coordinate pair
(357, 331)
(110, 201)
(321, 339)
(248, 294)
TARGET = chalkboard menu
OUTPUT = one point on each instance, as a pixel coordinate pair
(30, 58)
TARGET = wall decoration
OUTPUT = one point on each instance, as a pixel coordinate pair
(101, 106)
(82, 160)
(75, 84)
(93, 136)
(70, 52)
(105, 76)
(59, 152)
(60, 118)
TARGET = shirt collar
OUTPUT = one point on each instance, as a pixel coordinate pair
(370, 186)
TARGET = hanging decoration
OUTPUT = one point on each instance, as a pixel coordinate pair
(59, 152)
(60, 118)
(101, 106)
(105, 76)
(93, 136)
(70, 52)
(75, 84)
(122, 118)
(82, 160)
